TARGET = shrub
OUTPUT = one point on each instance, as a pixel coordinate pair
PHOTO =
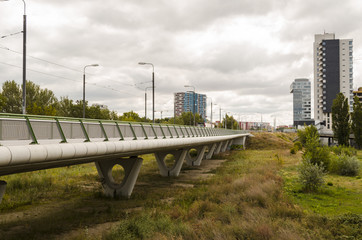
(318, 155)
(345, 165)
(311, 175)
(293, 150)
(236, 147)
(298, 146)
(308, 132)
(343, 150)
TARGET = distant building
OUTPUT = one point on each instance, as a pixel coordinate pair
(190, 102)
(358, 93)
(301, 89)
(254, 126)
(333, 73)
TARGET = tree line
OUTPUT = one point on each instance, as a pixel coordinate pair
(41, 101)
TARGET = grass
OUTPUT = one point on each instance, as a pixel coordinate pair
(253, 195)
(340, 194)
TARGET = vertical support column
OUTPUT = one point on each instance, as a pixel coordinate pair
(200, 155)
(131, 167)
(211, 151)
(218, 149)
(2, 189)
(176, 168)
(244, 140)
(226, 144)
(230, 143)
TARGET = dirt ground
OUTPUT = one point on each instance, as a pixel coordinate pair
(187, 177)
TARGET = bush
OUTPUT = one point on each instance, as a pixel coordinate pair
(345, 165)
(293, 150)
(236, 147)
(308, 132)
(311, 175)
(342, 150)
(298, 146)
(318, 155)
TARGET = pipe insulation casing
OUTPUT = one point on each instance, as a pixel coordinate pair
(27, 154)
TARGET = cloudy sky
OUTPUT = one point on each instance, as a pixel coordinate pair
(243, 54)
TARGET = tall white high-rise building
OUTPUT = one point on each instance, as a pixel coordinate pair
(333, 73)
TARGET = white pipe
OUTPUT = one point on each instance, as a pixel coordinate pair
(29, 154)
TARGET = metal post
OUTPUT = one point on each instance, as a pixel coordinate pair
(146, 105)
(211, 113)
(91, 65)
(194, 108)
(153, 88)
(84, 93)
(220, 115)
(153, 94)
(24, 60)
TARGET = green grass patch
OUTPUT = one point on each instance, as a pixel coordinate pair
(339, 195)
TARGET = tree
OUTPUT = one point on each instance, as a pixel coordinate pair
(188, 118)
(40, 101)
(340, 119)
(310, 131)
(314, 152)
(11, 95)
(231, 123)
(130, 117)
(357, 121)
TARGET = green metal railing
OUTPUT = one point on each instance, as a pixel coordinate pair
(173, 131)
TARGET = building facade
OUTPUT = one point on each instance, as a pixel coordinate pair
(301, 89)
(333, 73)
(190, 102)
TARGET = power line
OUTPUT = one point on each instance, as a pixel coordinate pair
(11, 34)
(55, 76)
(43, 60)
(69, 68)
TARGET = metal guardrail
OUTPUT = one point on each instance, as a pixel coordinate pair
(17, 129)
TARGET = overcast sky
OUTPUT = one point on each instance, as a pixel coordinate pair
(243, 54)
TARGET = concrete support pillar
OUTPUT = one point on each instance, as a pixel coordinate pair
(131, 167)
(197, 160)
(176, 168)
(2, 189)
(230, 143)
(240, 141)
(212, 149)
(218, 148)
(225, 146)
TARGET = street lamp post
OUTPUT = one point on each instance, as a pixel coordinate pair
(153, 88)
(194, 107)
(220, 115)
(24, 58)
(146, 102)
(91, 65)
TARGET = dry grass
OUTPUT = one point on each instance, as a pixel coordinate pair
(270, 141)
